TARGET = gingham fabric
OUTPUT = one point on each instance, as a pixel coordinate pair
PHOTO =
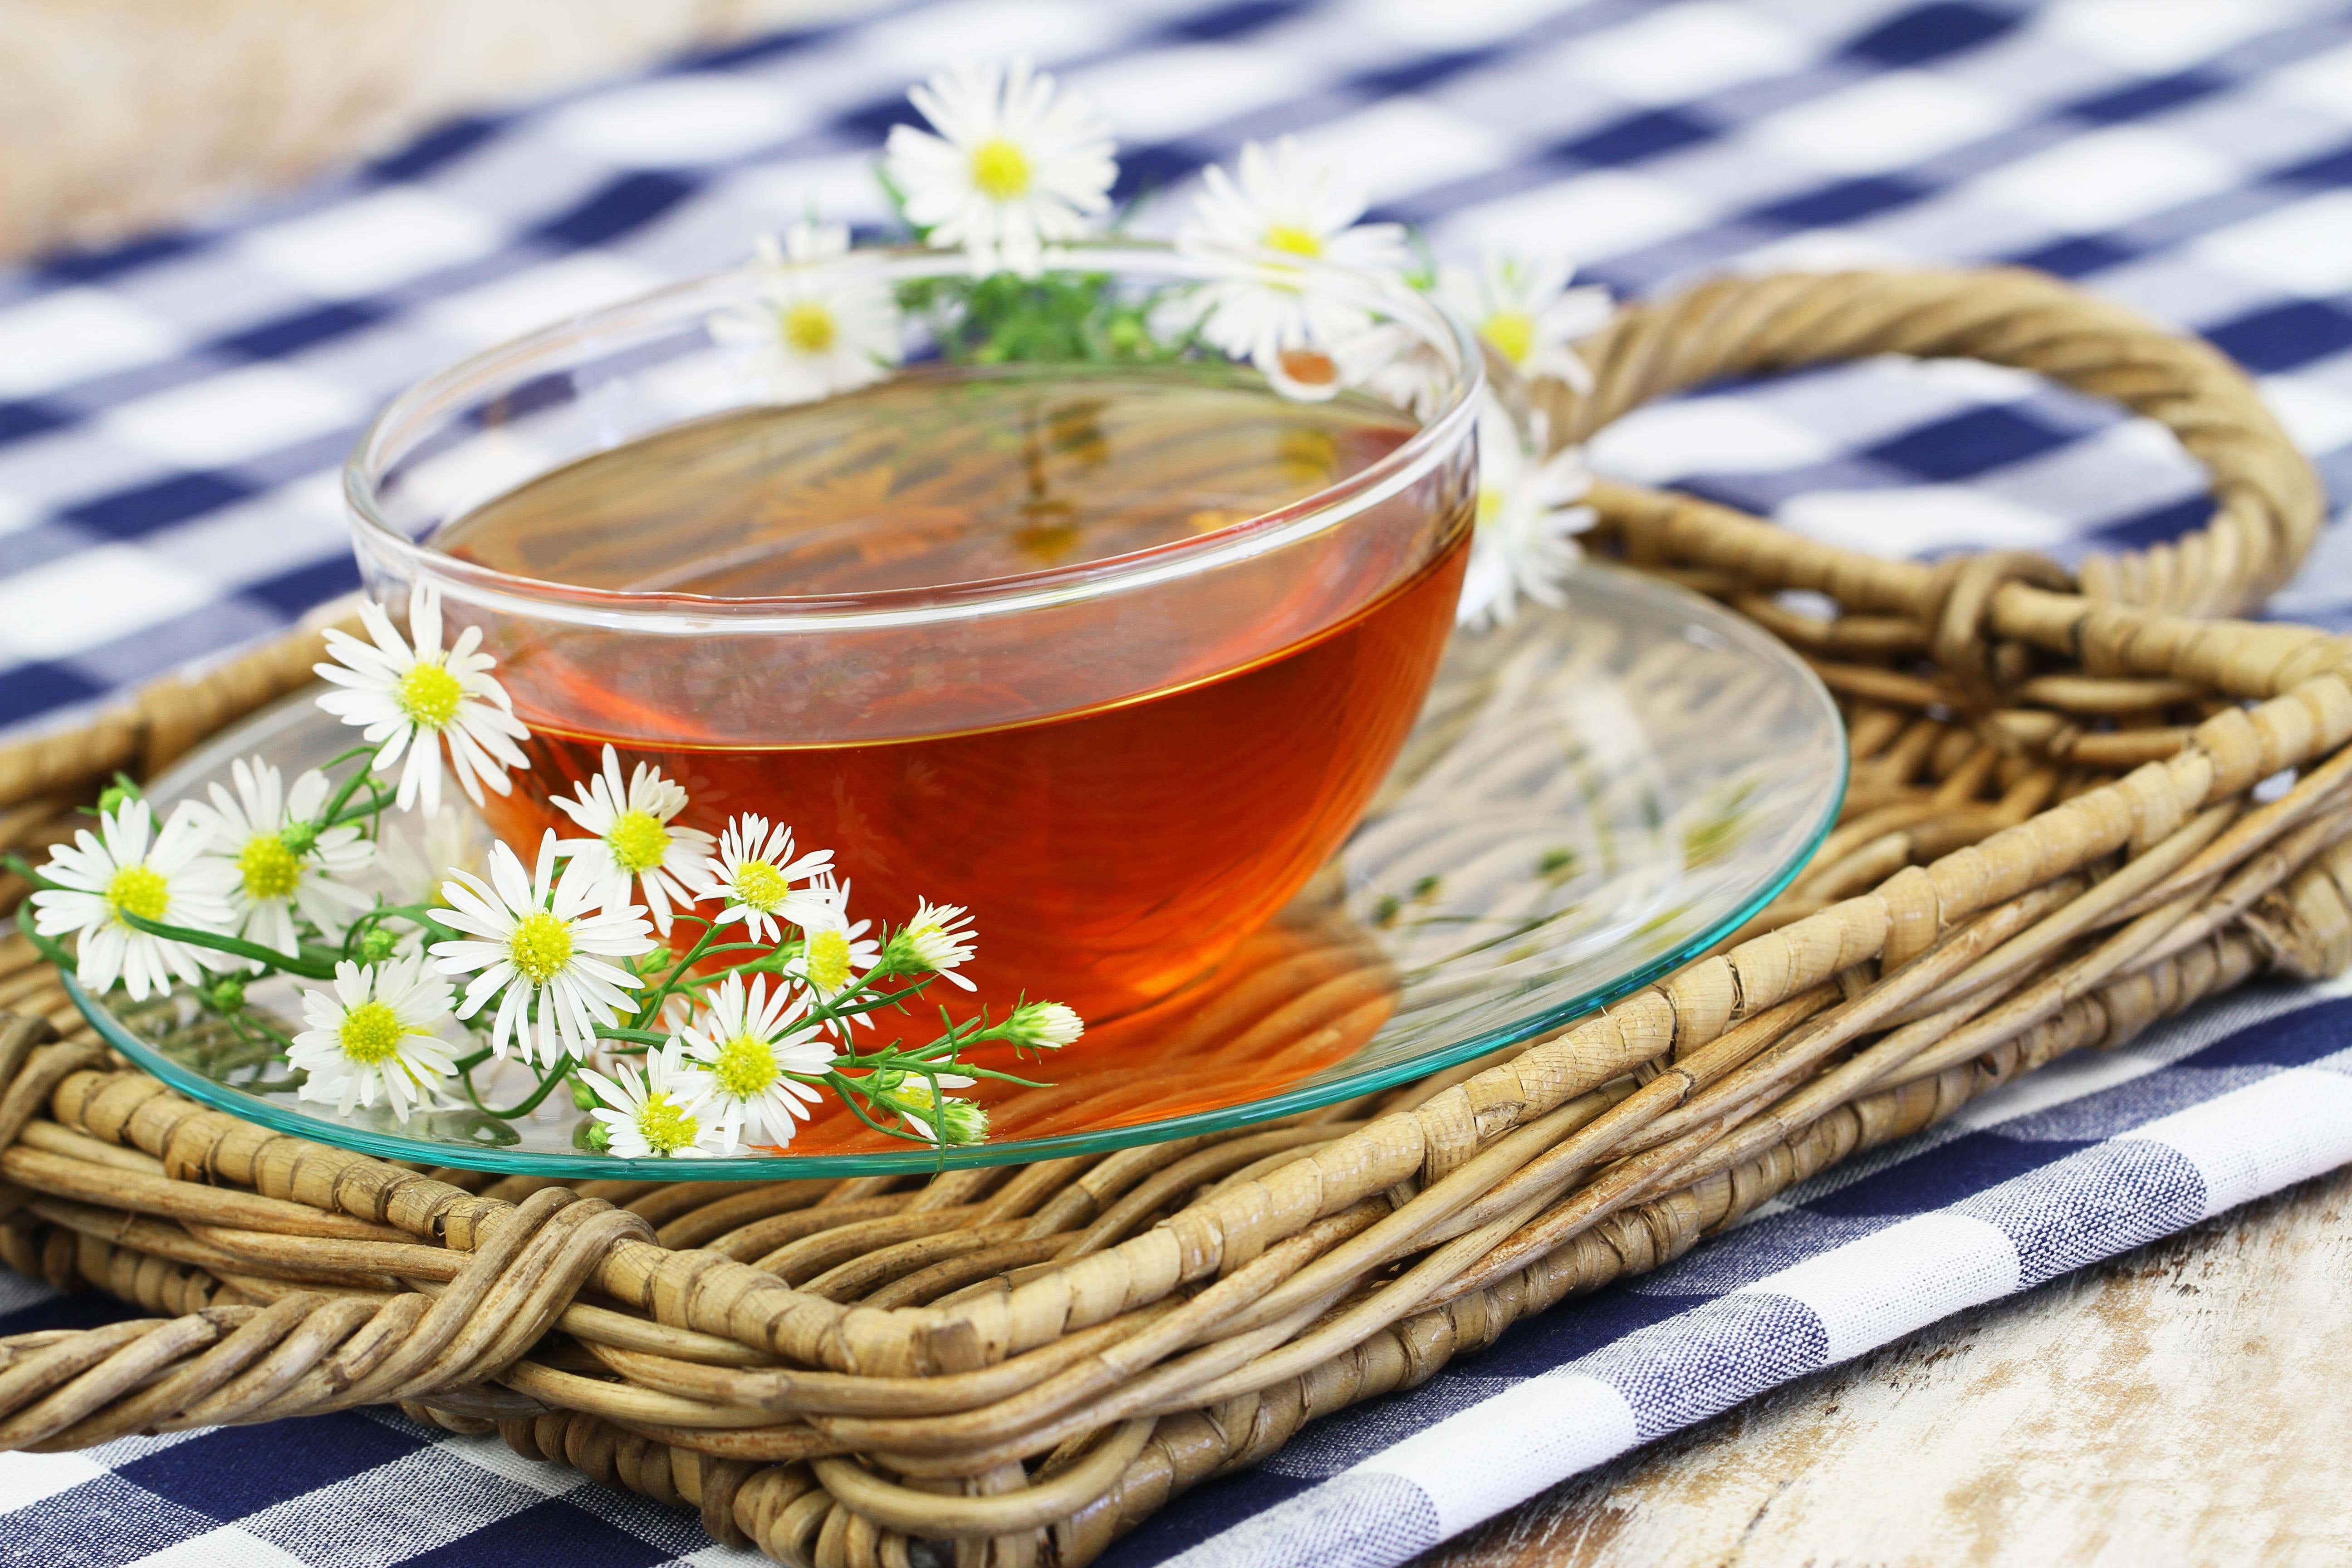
(171, 414)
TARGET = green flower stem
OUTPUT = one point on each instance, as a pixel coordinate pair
(530, 1101)
(313, 963)
(17, 865)
(843, 1088)
(350, 786)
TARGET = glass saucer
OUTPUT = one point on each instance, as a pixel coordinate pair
(1593, 796)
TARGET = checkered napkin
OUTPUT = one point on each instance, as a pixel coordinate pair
(171, 415)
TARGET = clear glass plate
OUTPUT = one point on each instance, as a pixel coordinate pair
(1593, 796)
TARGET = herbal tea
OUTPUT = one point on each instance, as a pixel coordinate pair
(1122, 786)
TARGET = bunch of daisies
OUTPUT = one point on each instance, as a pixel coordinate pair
(694, 995)
(1013, 169)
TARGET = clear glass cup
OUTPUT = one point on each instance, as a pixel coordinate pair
(1123, 765)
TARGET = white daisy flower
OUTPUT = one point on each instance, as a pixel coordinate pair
(938, 940)
(377, 1030)
(116, 871)
(1284, 206)
(824, 323)
(661, 1110)
(1526, 540)
(834, 952)
(746, 1041)
(1013, 169)
(753, 873)
(1527, 312)
(545, 943)
(928, 1114)
(632, 843)
(283, 867)
(416, 699)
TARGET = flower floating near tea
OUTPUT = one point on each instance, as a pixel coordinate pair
(694, 996)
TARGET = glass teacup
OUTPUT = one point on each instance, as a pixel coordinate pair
(1110, 650)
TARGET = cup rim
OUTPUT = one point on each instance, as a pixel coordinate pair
(673, 613)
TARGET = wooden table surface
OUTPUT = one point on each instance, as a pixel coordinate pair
(2182, 1404)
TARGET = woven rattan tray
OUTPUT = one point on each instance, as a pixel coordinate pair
(2053, 838)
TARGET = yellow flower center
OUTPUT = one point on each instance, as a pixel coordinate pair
(138, 891)
(540, 946)
(1297, 241)
(1513, 333)
(665, 1124)
(428, 695)
(809, 328)
(639, 840)
(1000, 169)
(270, 869)
(746, 1065)
(828, 961)
(371, 1033)
(916, 1095)
(760, 885)
(1490, 506)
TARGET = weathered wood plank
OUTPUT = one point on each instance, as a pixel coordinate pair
(2184, 1403)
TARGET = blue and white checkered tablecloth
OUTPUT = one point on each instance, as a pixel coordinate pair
(171, 415)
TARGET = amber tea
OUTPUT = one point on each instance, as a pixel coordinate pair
(1123, 786)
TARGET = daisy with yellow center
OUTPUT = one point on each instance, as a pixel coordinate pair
(1526, 311)
(661, 1110)
(127, 867)
(747, 1043)
(753, 876)
(542, 946)
(825, 322)
(377, 1032)
(835, 953)
(1008, 168)
(1528, 522)
(286, 868)
(633, 843)
(1282, 207)
(412, 699)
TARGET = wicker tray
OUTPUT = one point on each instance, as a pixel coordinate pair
(2053, 839)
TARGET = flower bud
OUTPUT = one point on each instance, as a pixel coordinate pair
(376, 945)
(1046, 1026)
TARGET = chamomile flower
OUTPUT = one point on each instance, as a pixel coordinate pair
(935, 1116)
(661, 1110)
(1527, 525)
(825, 322)
(1283, 208)
(417, 699)
(282, 865)
(1014, 166)
(127, 867)
(938, 940)
(633, 843)
(541, 945)
(746, 1041)
(376, 1032)
(753, 873)
(835, 952)
(1527, 312)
